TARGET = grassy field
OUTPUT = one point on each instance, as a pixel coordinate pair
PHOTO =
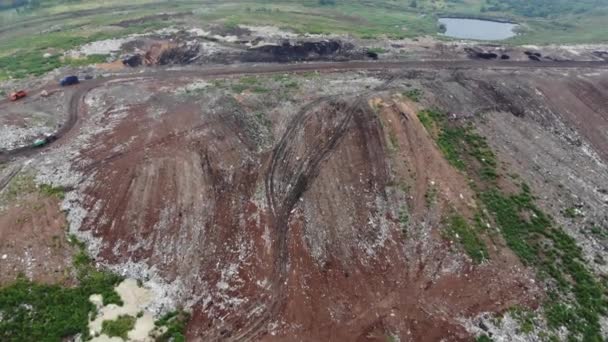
(55, 26)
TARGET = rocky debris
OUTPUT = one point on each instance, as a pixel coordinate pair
(102, 47)
(164, 53)
(301, 51)
(372, 54)
(132, 60)
(507, 327)
(477, 53)
(601, 54)
(532, 53)
(533, 56)
(181, 54)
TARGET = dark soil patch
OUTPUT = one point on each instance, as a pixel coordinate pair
(306, 51)
(480, 54)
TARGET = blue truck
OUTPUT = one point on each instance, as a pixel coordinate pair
(69, 80)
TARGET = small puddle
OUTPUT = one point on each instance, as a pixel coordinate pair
(478, 29)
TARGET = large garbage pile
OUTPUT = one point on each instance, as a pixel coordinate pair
(287, 51)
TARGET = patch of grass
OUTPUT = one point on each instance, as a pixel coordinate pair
(414, 94)
(33, 63)
(249, 83)
(426, 120)
(22, 184)
(249, 80)
(404, 219)
(484, 338)
(599, 232)
(175, 325)
(459, 230)
(40, 312)
(239, 88)
(460, 145)
(119, 327)
(571, 213)
(431, 195)
(377, 50)
(524, 318)
(263, 120)
(54, 191)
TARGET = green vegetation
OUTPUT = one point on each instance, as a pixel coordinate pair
(119, 327)
(460, 144)
(461, 231)
(542, 8)
(531, 235)
(404, 219)
(579, 298)
(431, 195)
(263, 122)
(29, 59)
(249, 83)
(175, 325)
(50, 190)
(525, 319)
(414, 95)
(363, 19)
(426, 120)
(483, 338)
(40, 312)
(544, 21)
(599, 232)
(377, 50)
(23, 55)
(571, 213)
(22, 184)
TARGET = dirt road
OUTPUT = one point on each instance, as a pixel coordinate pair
(256, 69)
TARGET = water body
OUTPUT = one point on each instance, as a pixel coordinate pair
(477, 29)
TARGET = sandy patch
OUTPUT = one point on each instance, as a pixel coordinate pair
(135, 299)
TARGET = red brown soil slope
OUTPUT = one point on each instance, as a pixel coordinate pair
(33, 241)
(300, 241)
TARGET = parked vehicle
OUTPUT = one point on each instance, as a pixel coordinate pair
(44, 141)
(69, 80)
(17, 95)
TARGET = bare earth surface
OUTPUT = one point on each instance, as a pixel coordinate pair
(271, 206)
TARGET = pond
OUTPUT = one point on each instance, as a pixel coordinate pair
(477, 29)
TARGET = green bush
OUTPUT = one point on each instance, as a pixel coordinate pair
(473, 245)
(175, 325)
(39, 312)
(414, 94)
(50, 190)
(119, 327)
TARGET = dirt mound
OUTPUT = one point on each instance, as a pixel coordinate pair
(477, 53)
(164, 53)
(181, 54)
(304, 239)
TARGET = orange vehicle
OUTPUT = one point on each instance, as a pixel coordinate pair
(18, 95)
